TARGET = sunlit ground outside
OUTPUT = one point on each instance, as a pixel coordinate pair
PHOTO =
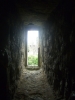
(32, 48)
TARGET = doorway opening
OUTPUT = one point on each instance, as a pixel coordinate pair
(32, 48)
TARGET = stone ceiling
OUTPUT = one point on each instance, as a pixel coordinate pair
(35, 11)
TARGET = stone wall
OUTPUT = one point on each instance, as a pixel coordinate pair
(10, 50)
(58, 50)
(14, 54)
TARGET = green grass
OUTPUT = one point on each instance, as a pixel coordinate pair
(32, 60)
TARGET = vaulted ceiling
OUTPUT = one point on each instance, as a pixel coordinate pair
(35, 11)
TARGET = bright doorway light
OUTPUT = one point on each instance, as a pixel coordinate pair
(32, 48)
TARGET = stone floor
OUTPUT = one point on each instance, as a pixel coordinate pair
(33, 86)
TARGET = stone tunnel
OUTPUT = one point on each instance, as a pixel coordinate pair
(54, 78)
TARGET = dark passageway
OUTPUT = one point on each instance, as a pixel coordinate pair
(45, 71)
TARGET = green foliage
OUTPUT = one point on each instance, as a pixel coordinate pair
(32, 60)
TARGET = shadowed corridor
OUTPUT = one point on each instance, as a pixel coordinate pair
(52, 77)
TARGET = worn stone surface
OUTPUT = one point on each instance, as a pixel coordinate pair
(33, 85)
(10, 51)
(58, 50)
(13, 50)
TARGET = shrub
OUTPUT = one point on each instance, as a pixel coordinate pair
(32, 60)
